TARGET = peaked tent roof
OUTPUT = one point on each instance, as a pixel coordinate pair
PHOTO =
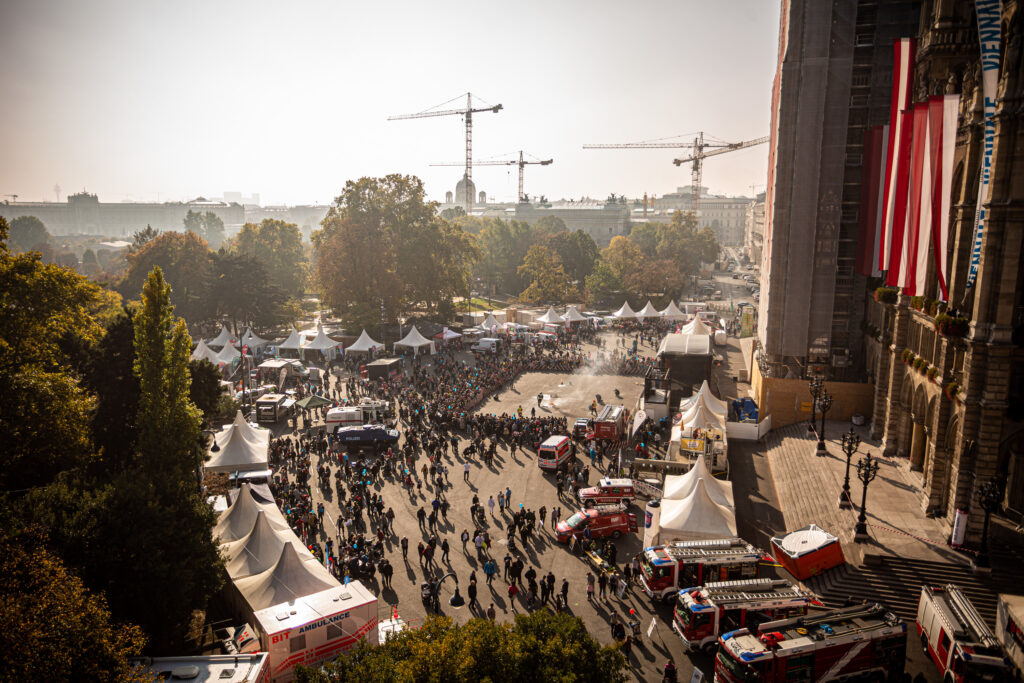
(490, 323)
(364, 344)
(624, 312)
(573, 315)
(228, 354)
(672, 312)
(414, 340)
(293, 576)
(648, 311)
(700, 416)
(321, 342)
(696, 326)
(237, 454)
(258, 550)
(710, 401)
(292, 342)
(237, 521)
(678, 487)
(221, 339)
(696, 517)
(447, 334)
(251, 340)
(257, 436)
(204, 352)
(550, 317)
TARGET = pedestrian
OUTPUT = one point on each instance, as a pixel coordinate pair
(444, 550)
(479, 542)
(490, 569)
(543, 515)
(565, 592)
(627, 574)
(590, 587)
(471, 591)
(491, 613)
(602, 582)
(501, 502)
(613, 584)
(465, 472)
(508, 565)
(513, 589)
(490, 504)
(465, 539)
(405, 548)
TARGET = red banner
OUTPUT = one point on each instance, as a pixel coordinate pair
(898, 197)
(916, 189)
(942, 123)
(902, 80)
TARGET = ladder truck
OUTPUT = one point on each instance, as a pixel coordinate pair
(863, 642)
(665, 569)
(705, 612)
(957, 639)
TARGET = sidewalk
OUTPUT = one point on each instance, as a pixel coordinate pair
(808, 488)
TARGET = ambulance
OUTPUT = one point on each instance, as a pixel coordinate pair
(555, 453)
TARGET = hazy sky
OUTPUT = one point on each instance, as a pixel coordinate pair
(135, 99)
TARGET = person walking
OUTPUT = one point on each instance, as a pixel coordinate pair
(543, 514)
(465, 472)
(602, 582)
(490, 505)
(490, 569)
(513, 590)
(565, 592)
(590, 587)
(444, 550)
(471, 591)
(405, 548)
(491, 613)
(465, 539)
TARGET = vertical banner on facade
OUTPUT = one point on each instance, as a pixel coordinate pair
(989, 13)
(942, 125)
(879, 218)
(902, 80)
(899, 195)
(867, 233)
(923, 223)
(908, 261)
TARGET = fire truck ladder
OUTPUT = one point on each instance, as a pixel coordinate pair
(967, 615)
(733, 592)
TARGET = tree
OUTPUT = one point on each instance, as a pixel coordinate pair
(548, 226)
(645, 237)
(602, 284)
(204, 390)
(503, 246)
(186, 261)
(539, 646)
(142, 237)
(577, 250)
(28, 233)
(624, 258)
(110, 377)
(453, 213)
(242, 290)
(278, 246)
(207, 225)
(55, 629)
(548, 281)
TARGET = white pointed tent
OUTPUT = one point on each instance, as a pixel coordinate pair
(238, 520)
(321, 345)
(679, 487)
(490, 323)
(364, 344)
(292, 343)
(228, 354)
(696, 326)
(701, 417)
(204, 352)
(549, 318)
(236, 454)
(648, 311)
(573, 315)
(705, 397)
(294, 575)
(695, 517)
(447, 335)
(624, 312)
(252, 341)
(415, 341)
(257, 436)
(257, 551)
(221, 339)
(672, 312)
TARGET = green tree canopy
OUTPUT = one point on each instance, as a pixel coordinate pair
(539, 646)
(141, 237)
(186, 262)
(602, 284)
(278, 246)
(577, 250)
(503, 246)
(542, 268)
(207, 225)
(28, 232)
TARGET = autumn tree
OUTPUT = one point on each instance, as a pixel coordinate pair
(543, 269)
(186, 261)
(577, 250)
(207, 225)
(27, 233)
(278, 246)
(241, 290)
(141, 237)
(603, 284)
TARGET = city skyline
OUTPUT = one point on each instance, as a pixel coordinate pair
(170, 103)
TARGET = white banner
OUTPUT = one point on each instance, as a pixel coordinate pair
(989, 14)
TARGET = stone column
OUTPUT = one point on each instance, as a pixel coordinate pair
(917, 444)
(890, 437)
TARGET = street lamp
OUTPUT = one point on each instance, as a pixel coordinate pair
(815, 386)
(824, 405)
(990, 498)
(867, 470)
(851, 442)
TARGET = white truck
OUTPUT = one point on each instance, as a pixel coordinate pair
(956, 638)
(367, 411)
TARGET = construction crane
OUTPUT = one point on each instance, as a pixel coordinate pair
(466, 112)
(521, 163)
(697, 156)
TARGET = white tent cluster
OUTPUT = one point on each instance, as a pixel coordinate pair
(671, 312)
(266, 562)
(240, 447)
(221, 340)
(696, 506)
(696, 327)
(549, 318)
(204, 352)
(252, 341)
(573, 315)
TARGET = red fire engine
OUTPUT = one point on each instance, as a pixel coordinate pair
(664, 569)
(957, 639)
(702, 613)
(863, 642)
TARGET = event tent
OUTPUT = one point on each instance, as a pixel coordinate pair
(236, 454)
(696, 327)
(701, 417)
(679, 487)
(257, 436)
(447, 335)
(672, 312)
(292, 343)
(550, 317)
(695, 517)
(258, 550)
(364, 344)
(572, 315)
(252, 341)
(648, 311)
(415, 341)
(704, 396)
(238, 520)
(624, 312)
(204, 352)
(490, 323)
(228, 355)
(294, 575)
(322, 343)
(221, 339)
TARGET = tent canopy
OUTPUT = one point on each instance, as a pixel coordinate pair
(321, 342)
(204, 352)
(228, 354)
(705, 397)
(221, 339)
(550, 317)
(238, 520)
(447, 335)
(679, 487)
(415, 341)
(294, 575)
(696, 326)
(236, 454)
(251, 340)
(700, 416)
(696, 517)
(573, 315)
(624, 312)
(292, 342)
(672, 312)
(257, 436)
(364, 344)
(648, 311)
(490, 323)
(257, 551)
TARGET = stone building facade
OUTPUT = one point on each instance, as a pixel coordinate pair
(961, 423)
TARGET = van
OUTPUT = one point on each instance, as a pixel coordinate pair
(603, 521)
(608, 491)
(486, 345)
(555, 453)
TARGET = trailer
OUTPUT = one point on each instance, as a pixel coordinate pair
(956, 638)
(316, 628)
(665, 569)
(864, 642)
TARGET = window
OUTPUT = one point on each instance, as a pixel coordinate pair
(298, 643)
(944, 642)
(334, 631)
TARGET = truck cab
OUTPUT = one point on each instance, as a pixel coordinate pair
(603, 521)
(955, 637)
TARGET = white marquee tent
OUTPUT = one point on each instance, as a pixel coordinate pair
(648, 311)
(696, 326)
(236, 454)
(204, 352)
(258, 550)
(364, 344)
(679, 487)
(228, 355)
(549, 318)
(447, 335)
(252, 341)
(672, 312)
(257, 436)
(695, 517)
(295, 575)
(238, 520)
(415, 341)
(624, 312)
(705, 397)
(221, 339)
(573, 315)
(322, 345)
(490, 323)
(700, 416)
(292, 343)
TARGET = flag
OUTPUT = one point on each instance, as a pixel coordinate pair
(908, 278)
(942, 123)
(894, 233)
(902, 81)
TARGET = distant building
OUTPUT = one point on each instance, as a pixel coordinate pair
(85, 214)
(753, 233)
(601, 220)
(727, 216)
(307, 217)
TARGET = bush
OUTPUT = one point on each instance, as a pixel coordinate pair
(887, 295)
(950, 326)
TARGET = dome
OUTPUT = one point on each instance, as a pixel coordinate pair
(461, 191)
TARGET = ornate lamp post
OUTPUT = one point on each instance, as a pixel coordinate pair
(867, 470)
(824, 405)
(990, 498)
(815, 386)
(851, 442)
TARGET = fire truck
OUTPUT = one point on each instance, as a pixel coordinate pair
(665, 569)
(863, 642)
(704, 612)
(957, 639)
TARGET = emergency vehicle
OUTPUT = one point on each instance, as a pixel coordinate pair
(863, 642)
(704, 612)
(603, 520)
(957, 639)
(665, 569)
(555, 453)
(608, 491)
(610, 423)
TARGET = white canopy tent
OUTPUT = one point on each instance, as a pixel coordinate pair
(672, 312)
(696, 326)
(573, 315)
(364, 344)
(252, 341)
(257, 436)
(447, 335)
(258, 550)
(238, 520)
(204, 352)
(549, 318)
(221, 339)
(702, 417)
(295, 575)
(624, 312)
(292, 343)
(679, 487)
(236, 454)
(648, 311)
(415, 341)
(695, 517)
(321, 345)
(705, 397)
(490, 322)
(228, 355)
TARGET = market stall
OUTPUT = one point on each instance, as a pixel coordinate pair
(696, 517)
(365, 344)
(221, 339)
(672, 312)
(648, 311)
(321, 347)
(204, 352)
(624, 312)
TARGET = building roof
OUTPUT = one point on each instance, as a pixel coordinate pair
(686, 345)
